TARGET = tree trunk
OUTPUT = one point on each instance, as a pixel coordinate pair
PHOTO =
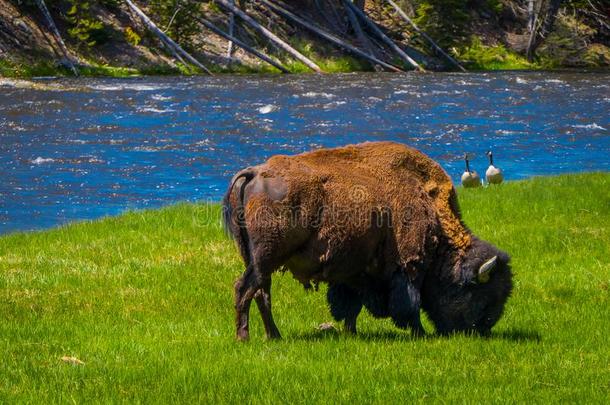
(270, 35)
(231, 31)
(302, 22)
(64, 50)
(173, 47)
(423, 34)
(549, 21)
(383, 36)
(531, 16)
(364, 41)
(547, 27)
(241, 44)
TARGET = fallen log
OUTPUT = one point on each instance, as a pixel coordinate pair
(241, 44)
(359, 31)
(426, 36)
(173, 47)
(302, 22)
(64, 50)
(369, 23)
(270, 35)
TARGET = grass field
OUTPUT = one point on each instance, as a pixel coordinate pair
(145, 301)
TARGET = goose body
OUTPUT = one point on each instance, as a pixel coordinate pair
(493, 175)
(470, 179)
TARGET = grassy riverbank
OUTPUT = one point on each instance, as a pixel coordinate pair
(145, 301)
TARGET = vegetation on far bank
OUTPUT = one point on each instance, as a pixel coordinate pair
(106, 39)
(139, 308)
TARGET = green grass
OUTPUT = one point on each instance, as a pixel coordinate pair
(478, 56)
(14, 69)
(145, 300)
(329, 64)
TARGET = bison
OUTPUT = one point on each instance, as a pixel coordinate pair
(380, 223)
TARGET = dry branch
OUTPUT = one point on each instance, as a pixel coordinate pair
(310, 26)
(381, 35)
(270, 35)
(241, 44)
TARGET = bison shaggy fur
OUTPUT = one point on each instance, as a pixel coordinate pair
(380, 223)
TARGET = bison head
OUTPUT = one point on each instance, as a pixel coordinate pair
(469, 295)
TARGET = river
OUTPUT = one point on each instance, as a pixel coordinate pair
(77, 149)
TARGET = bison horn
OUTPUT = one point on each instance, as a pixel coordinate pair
(485, 269)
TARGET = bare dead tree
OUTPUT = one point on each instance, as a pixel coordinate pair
(531, 16)
(270, 35)
(172, 46)
(51, 23)
(546, 28)
(369, 23)
(231, 31)
(329, 37)
(425, 36)
(364, 40)
(241, 44)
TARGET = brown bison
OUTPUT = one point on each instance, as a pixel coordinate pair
(380, 223)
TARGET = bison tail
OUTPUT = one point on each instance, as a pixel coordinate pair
(233, 215)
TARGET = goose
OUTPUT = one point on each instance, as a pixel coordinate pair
(470, 178)
(493, 174)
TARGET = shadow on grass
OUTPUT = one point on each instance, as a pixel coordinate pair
(514, 335)
(318, 335)
(517, 335)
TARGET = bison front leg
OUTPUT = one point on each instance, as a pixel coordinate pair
(345, 305)
(263, 301)
(404, 303)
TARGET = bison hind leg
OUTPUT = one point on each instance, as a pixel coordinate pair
(404, 303)
(375, 300)
(345, 305)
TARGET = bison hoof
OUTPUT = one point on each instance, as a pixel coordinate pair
(274, 336)
(242, 335)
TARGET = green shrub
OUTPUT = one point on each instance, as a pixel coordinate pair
(567, 45)
(132, 37)
(180, 13)
(495, 5)
(344, 64)
(444, 20)
(482, 57)
(86, 29)
(8, 68)
(597, 55)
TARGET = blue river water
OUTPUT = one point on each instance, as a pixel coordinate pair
(85, 148)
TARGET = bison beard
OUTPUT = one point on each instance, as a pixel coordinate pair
(379, 222)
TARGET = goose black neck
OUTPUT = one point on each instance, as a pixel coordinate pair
(467, 165)
(491, 159)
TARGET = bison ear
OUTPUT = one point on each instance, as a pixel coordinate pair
(486, 269)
